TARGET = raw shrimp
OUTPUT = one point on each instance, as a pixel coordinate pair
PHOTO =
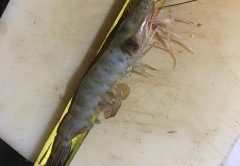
(100, 88)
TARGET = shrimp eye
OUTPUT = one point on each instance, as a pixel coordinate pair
(130, 46)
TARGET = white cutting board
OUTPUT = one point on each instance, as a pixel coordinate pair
(46, 46)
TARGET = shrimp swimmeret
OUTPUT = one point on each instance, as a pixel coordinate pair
(100, 89)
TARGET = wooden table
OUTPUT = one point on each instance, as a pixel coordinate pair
(189, 116)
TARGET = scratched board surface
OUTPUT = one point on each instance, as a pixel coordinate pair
(181, 117)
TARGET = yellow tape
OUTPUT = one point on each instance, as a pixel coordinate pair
(77, 141)
(46, 150)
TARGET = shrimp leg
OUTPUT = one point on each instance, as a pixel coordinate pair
(113, 100)
(167, 33)
(143, 69)
(157, 28)
(159, 43)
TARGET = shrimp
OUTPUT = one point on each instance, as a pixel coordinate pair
(100, 88)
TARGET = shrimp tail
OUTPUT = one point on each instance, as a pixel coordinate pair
(60, 153)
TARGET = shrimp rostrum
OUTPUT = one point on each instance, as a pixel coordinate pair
(100, 87)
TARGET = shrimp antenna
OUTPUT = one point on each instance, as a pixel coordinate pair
(181, 3)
